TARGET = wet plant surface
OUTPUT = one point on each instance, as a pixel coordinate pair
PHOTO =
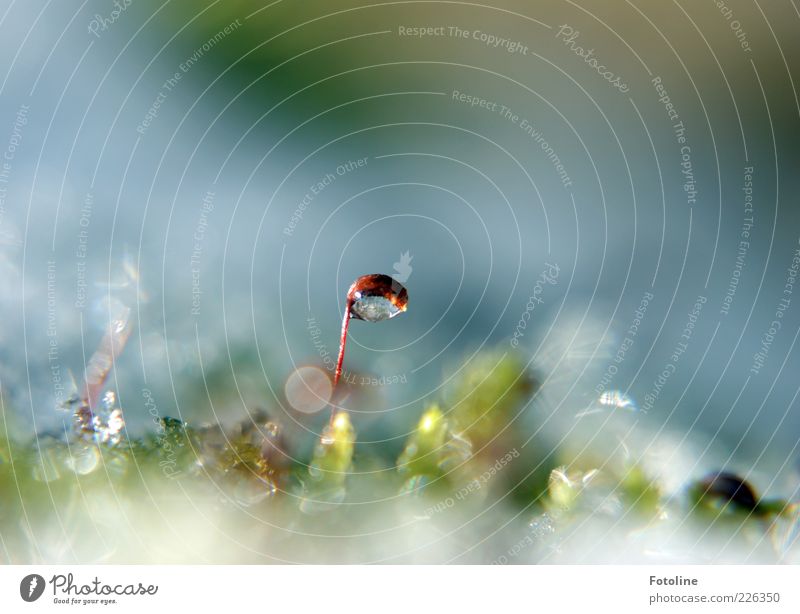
(406, 281)
(469, 485)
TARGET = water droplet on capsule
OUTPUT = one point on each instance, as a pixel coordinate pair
(374, 298)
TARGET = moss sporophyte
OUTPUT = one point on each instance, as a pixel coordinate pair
(371, 298)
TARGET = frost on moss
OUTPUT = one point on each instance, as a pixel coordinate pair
(465, 486)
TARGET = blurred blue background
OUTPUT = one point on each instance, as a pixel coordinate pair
(181, 193)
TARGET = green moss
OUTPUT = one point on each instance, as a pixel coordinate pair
(639, 493)
(426, 445)
(464, 462)
(487, 393)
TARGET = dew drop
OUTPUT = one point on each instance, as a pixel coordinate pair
(251, 490)
(108, 424)
(109, 400)
(323, 500)
(542, 526)
(271, 429)
(84, 459)
(610, 400)
(415, 486)
(455, 452)
(375, 308)
(542, 530)
(47, 468)
(617, 400)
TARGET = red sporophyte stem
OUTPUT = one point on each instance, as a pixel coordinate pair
(348, 315)
(340, 361)
(342, 344)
